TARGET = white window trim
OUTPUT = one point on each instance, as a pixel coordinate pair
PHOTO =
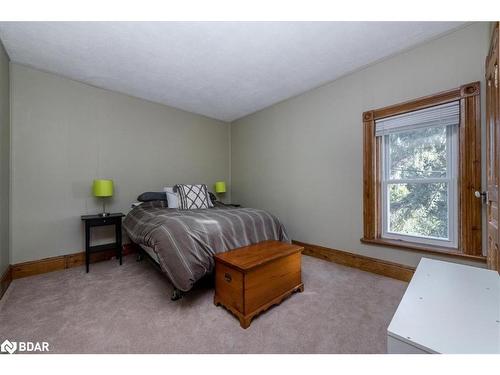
(451, 180)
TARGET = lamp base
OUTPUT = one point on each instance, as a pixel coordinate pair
(104, 213)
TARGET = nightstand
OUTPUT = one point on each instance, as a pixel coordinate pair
(99, 221)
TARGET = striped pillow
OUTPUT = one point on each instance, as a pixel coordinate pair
(192, 197)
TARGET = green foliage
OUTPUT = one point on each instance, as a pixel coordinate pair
(418, 208)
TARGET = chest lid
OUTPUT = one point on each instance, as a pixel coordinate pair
(248, 257)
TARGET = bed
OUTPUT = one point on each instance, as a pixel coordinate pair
(183, 242)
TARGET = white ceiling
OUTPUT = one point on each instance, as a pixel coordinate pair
(223, 70)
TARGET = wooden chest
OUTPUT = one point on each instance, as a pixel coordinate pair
(251, 279)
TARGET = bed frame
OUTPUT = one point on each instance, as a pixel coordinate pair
(176, 293)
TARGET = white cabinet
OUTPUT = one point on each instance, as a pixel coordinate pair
(447, 308)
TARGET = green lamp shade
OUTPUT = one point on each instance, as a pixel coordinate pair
(220, 187)
(102, 188)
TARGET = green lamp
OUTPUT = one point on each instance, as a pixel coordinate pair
(103, 189)
(220, 187)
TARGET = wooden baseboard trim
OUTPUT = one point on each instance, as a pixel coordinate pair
(38, 267)
(5, 281)
(380, 267)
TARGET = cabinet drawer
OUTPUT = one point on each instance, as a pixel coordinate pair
(229, 286)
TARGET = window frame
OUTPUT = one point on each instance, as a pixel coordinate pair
(468, 239)
(450, 180)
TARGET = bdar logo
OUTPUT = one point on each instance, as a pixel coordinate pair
(24, 346)
(8, 347)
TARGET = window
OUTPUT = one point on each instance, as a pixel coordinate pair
(421, 168)
(419, 175)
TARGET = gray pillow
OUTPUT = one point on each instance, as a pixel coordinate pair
(149, 196)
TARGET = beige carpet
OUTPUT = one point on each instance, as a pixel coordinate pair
(127, 309)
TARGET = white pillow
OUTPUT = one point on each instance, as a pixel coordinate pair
(172, 197)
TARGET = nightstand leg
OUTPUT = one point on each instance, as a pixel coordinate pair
(87, 245)
(119, 241)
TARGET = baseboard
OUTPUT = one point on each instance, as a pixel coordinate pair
(5, 281)
(380, 267)
(38, 267)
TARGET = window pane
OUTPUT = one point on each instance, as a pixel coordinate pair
(419, 209)
(418, 153)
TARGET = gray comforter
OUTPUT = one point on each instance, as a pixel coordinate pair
(186, 240)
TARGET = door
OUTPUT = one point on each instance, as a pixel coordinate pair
(493, 151)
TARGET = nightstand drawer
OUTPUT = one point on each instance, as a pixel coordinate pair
(104, 221)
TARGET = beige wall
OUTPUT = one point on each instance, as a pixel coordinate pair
(4, 160)
(302, 158)
(65, 133)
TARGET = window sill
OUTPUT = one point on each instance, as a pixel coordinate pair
(422, 248)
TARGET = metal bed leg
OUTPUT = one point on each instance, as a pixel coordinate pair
(176, 294)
